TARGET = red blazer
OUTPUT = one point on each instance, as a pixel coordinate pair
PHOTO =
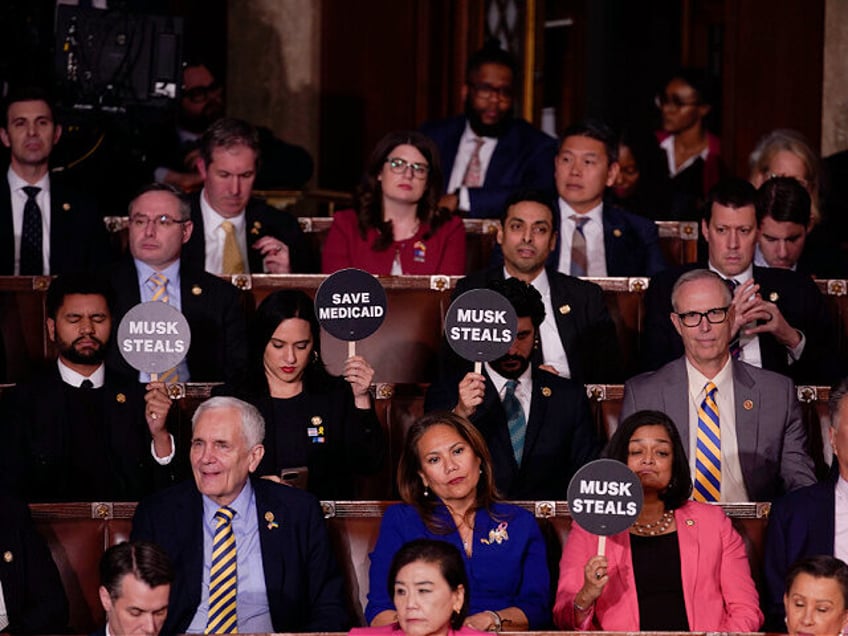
(717, 587)
(395, 630)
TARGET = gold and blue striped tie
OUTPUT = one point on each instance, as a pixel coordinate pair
(708, 449)
(223, 577)
(158, 282)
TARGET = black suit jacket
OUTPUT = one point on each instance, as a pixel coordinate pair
(215, 313)
(796, 296)
(78, 239)
(260, 220)
(585, 327)
(302, 580)
(32, 590)
(559, 438)
(37, 453)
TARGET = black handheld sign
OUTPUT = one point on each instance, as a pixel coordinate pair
(480, 325)
(351, 304)
(154, 337)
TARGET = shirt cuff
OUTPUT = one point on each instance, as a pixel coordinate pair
(464, 199)
(164, 461)
(797, 351)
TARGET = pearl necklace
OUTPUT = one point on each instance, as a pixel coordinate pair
(656, 527)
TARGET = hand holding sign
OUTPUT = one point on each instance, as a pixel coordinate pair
(351, 305)
(480, 326)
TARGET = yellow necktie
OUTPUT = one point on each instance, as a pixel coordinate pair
(708, 449)
(223, 577)
(232, 263)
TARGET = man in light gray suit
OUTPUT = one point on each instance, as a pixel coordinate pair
(759, 449)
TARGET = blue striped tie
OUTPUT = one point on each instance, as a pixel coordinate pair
(515, 419)
(223, 577)
(708, 449)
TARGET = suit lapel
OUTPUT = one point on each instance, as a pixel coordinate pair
(538, 410)
(7, 233)
(687, 539)
(271, 519)
(564, 321)
(503, 158)
(254, 257)
(618, 553)
(60, 229)
(675, 391)
(747, 405)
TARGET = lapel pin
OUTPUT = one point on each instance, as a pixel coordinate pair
(565, 309)
(316, 420)
(196, 290)
(616, 233)
(8, 557)
(66, 206)
(269, 517)
(774, 297)
(256, 227)
(747, 405)
(546, 391)
(690, 522)
(120, 398)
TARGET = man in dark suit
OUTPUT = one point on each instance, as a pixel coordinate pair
(804, 522)
(135, 583)
(535, 423)
(762, 448)
(45, 227)
(598, 239)
(578, 338)
(234, 233)
(487, 153)
(285, 574)
(782, 322)
(160, 224)
(79, 431)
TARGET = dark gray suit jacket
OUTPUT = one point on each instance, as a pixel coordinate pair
(770, 435)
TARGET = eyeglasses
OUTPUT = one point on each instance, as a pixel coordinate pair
(487, 91)
(674, 101)
(399, 166)
(199, 94)
(162, 222)
(714, 316)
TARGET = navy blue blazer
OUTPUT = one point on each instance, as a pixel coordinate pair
(631, 243)
(523, 158)
(260, 220)
(78, 238)
(801, 524)
(302, 580)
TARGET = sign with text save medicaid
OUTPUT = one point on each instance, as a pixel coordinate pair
(153, 337)
(480, 325)
(605, 497)
(351, 304)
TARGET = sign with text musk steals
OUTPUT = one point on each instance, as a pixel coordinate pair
(351, 304)
(154, 337)
(605, 497)
(480, 325)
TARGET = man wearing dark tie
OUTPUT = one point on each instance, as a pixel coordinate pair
(250, 555)
(45, 227)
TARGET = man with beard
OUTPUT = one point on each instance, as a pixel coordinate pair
(79, 431)
(536, 424)
(487, 152)
(283, 166)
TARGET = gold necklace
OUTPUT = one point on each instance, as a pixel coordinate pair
(656, 527)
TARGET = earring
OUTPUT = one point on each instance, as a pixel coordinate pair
(426, 491)
(315, 356)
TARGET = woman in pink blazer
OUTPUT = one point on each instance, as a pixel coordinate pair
(680, 567)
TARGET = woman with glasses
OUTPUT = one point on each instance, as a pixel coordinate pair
(397, 226)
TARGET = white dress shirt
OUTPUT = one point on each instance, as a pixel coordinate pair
(840, 520)
(523, 390)
(19, 199)
(464, 152)
(214, 236)
(593, 230)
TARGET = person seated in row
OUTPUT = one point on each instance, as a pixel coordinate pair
(680, 567)
(642, 185)
(816, 599)
(811, 520)
(537, 425)
(397, 226)
(429, 587)
(314, 420)
(446, 481)
(79, 430)
(135, 583)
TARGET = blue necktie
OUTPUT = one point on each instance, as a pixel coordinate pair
(515, 419)
(32, 263)
(708, 449)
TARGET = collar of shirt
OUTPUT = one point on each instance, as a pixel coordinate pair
(242, 505)
(842, 488)
(697, 380)
(565, 212)
(172, 273)
(760, 260)
(741, 277)
(69, 376)
(667, 144)
(525, 380)
(16, 183)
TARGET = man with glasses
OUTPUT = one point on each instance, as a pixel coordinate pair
(160, 224)
(740, 425)
(487, 153)
(781, 321)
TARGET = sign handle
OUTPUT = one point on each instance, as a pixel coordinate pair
(478, 367)
(602, 545)
(154, 377)
(351, 348)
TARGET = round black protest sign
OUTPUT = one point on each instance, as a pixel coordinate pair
(154, 337)
(480, 325)
(351, 304)
(605, 497)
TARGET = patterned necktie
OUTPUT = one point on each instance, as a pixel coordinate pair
(232, 262)
(579, 260)
(515, 419)
(474, 172)
(158, 283)
(32, 263)
(735, 344)
(223, 577)
(708, 449)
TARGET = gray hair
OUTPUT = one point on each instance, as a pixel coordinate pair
(838, 393)
(699, 274)
(252, 422)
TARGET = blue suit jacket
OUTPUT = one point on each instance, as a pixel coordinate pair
(523, 158)
(801, 524)
(302, 580)
(631, 243)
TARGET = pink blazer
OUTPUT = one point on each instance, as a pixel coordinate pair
(717, 587)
